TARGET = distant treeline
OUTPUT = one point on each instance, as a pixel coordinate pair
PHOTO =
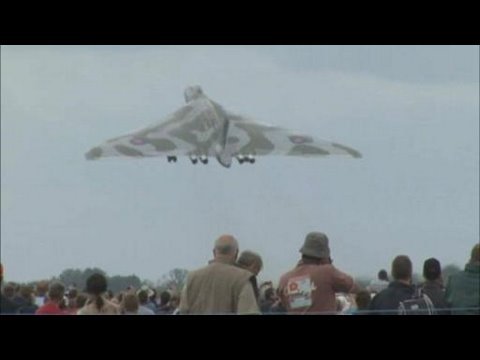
(176, 278)
(77, 278)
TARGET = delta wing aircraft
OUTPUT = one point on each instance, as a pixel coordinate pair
(203, 129)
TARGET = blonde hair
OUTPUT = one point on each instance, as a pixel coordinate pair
(130, 303)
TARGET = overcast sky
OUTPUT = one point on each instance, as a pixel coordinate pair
(412, 111)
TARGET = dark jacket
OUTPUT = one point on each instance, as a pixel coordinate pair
(266, 305)
(256, 291)
(390, 298)
(463, 291)
(254, 282)
(27, 309)
(7, 306)
(436, 293)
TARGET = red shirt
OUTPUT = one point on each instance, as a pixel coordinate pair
(311, 288)
(50, 308)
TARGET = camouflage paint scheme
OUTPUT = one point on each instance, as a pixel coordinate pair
(203, 129)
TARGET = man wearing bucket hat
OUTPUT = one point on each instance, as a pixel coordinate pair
(311, 286)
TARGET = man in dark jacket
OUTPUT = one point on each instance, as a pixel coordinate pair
(386, 302)
(433, 285)
(463, 288)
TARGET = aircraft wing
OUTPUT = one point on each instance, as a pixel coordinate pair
(260, 139)
(184, 132)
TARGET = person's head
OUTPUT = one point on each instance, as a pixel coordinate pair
(41, 288)
(250, 261)
(142, 297)
(130, 303)
(96, 286)
(26, 292)
(315, 248)
(165, 297)
(56, 291)
(269, 294)
(432, 269)
(9, 290)
(402, 268)
(226, 247)
(362, 299)
(382, 275)
(475, 255)
(72, 294)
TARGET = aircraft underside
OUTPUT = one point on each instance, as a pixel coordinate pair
(249, 159)
(202, 130)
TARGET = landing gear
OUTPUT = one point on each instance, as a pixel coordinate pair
(194, 159)
(172, 159)
(241, 159)
(248, 158)
(204, 159)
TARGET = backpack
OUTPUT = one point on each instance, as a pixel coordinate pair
(419, 304)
